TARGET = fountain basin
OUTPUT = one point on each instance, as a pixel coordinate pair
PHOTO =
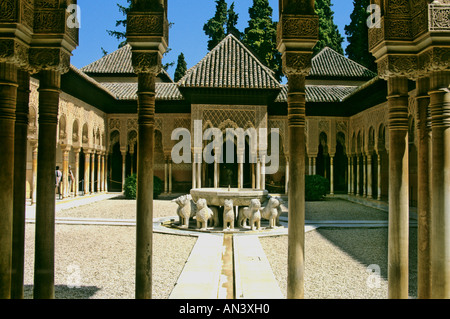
(240, 196)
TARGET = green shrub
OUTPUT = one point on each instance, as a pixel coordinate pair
(316, 187)
(130, 187)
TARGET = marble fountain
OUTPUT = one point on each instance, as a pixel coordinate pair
(227, 210)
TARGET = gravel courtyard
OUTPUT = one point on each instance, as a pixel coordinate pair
(98, 261)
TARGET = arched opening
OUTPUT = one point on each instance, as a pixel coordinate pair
(340, 165)
(158, 156)
(131, 160)
(323, 160)
(75, 133)
(115, 174)
(384, 163)
(360, 164)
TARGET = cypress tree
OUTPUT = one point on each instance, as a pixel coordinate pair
(181, 68)
(358, 36)
(329, 34)
(215, 27)
(232, 21)
(261, 36)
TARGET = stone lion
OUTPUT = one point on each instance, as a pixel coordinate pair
(228, 214)
(251, 213)
(204, 214)
(186, 209)
(272, 211)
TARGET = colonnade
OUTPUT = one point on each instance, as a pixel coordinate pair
(257, 171)
(356, 181)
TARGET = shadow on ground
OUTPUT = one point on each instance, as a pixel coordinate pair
(369, 246)
(64, 292)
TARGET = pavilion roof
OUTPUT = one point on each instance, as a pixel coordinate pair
(331, 64)
(230, 65)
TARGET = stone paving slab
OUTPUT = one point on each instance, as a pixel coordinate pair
(254, 278)
(201, 275)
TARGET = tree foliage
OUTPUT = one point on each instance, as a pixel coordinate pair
(181, 68)
(329, 35)
(261, 35)
(215, 27)
(358, 36)
(224, 22)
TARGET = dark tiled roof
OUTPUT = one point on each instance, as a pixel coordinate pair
(127, 91)
(230, 65)
(321, 93)
(117, 62)
(328, 63)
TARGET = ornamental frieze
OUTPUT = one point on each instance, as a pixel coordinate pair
(398, 66)
(149, 24)
(398, 7)
(297, 63)
(50, 21)
(299, 27)
(46, 3)
(439, 18)
(49, 59)
(14, 51)
(398, 29)
(434, 59)
(146, 62)
(8, 11)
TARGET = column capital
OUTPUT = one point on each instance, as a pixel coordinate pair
(65, 147)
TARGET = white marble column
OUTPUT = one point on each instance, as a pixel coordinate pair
(170, 175)
(87, 165)
(76, 172)
(349, 173)
(93, 172)
(379, 176)
(331, 174)
(357, 176)
(369, 176)
(124, 166)
(286, 187)
(199, 171)
(194, 172)
(241, 171)
(34, 146)
(258, 173)
(364, 167)
(166, 182)
(263, 172)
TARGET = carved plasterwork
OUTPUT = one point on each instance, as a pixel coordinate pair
(49, 59)
(439, 18)
(146, 62)
(14, 51)
(298, 27)
(398, 66)
(297, 63)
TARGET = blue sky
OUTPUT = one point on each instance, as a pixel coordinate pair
(185, 36)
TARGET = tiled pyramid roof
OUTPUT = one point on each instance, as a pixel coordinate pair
(128, 91)
(230, 65)
(321, 93)
(117, 62)
(328, 63)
